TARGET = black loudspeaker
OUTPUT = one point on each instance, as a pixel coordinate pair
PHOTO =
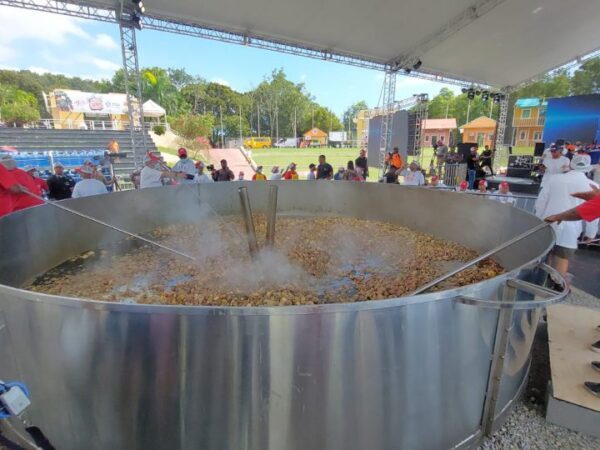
(464, 149)
(519, 166)
(539, 149)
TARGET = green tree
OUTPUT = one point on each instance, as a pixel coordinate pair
(17, 106)
(180, 78)
(586, 79)
(442, 105)
(190, 127)
(322, 118)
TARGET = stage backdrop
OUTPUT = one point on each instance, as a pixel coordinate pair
(573, 119)
(400, 134)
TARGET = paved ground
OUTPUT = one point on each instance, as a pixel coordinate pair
(585, 266)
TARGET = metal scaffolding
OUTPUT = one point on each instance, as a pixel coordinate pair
(387, 116)
(131, 73)
(500, 146)
(421, 109)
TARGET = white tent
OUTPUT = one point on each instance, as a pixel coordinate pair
(500, 43)
(153, 109)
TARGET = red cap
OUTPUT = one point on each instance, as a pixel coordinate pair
(504, 184)
(152, 156)
(464, 185)
(435, 178)
(482, 183)
(182, 152)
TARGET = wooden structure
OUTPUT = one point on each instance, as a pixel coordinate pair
(528, 121)
(316, 137)
(481, 130)
(434, 130)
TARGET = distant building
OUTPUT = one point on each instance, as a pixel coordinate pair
(316, 137)
(528, 121)
(434, 130)
(481, 131)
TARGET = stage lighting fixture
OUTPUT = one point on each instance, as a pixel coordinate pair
(471, 94)
(464, 90)
(408, 70)
(477, 92)
(485, 95)
(136, 21)
(417, 65)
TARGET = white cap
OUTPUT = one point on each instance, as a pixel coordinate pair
(29, 168)
(581, 163)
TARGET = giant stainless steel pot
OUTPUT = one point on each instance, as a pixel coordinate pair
(422, 372)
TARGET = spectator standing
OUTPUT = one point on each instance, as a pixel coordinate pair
(39, 182)
(440, 153)
(324, 169)
(486, 159)
(21, 200)
(504, 195)
(240, 176)
(290, 173)
(482, 187)
(9, 188)
(363, 163)
(113, 146)
(463, 186)
(351, 173)
(60, 185)
(88, 185)
(339, 175)
(312, 172)
(275, 173)
(224, 173)
(153, 175)
(472, 160)
(201, 177)
(396, 159)
(259, 176)
(554, 164)
(557, 196)
(184, 168)
(413, 175)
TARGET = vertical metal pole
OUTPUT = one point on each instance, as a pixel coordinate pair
(248, 221)
(312, 112)
(295, 130)
(241, 134)
(258, 118)
(387, 116)
(468, 111)
(271, 216)
(503, 328)
(501, 152)
(131, 74)
(276, 122)
(222, 133)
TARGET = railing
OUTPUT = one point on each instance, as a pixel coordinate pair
(531, 122)
(93, 125)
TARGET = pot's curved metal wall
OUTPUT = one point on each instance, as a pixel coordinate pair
(401, 373)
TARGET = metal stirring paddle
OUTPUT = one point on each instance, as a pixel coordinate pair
(112, 227)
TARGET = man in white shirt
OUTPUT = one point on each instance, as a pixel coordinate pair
(152, 174)
(554, 164)
(89, 184)
(557, 197)
(413, 176)
(504, 195)
(185, 168)
(201, 177)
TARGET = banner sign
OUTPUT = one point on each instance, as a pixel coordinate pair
(90, 103)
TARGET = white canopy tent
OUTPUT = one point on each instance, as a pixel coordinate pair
(499, 43)
(153, 109)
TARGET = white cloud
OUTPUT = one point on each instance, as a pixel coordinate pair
(6, 53)
(18, 24)
(303, 77)
(39, 70)
(100, 63)
(105, 41)
(220, 81)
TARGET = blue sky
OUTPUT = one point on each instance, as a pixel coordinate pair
(44, 42)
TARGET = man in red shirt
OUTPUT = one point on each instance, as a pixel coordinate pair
(39, 182)
(290, 173)
(588, 211)
(20, 199)
(10, 190)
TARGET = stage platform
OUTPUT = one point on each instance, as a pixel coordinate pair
(571, 330)
(517, 185)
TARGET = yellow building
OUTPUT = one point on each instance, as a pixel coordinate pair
(71, 109)
(528, 121)
(316, 137)
(362, 127)
(480, 131)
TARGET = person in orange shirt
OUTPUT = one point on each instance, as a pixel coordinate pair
(396, 159)
(259, 176)
(290, 173)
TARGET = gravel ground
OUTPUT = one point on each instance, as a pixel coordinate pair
(526, 428)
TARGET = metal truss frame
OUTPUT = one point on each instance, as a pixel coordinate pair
(501, 148)
(421, 110)
(387, 117)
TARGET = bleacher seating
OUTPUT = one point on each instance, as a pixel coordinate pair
(70, 147)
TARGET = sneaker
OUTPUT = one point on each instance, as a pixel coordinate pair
(596, 365)
(595, 346)
(592, 388)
